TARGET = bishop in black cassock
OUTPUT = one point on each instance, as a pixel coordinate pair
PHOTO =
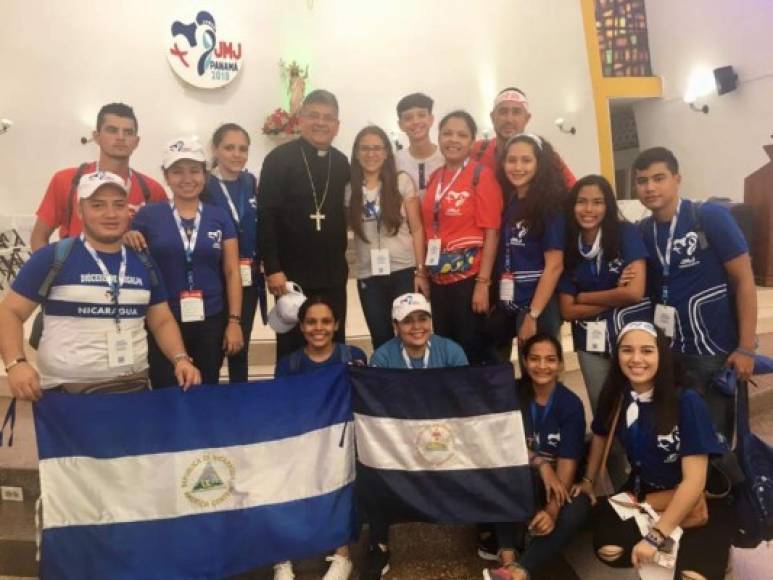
(301, 219)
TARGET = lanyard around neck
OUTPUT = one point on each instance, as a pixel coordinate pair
(595, 252)
(665, 261)
(536, 428)
(441, 192)
(115, 287)
(407, 359)
(189, 242)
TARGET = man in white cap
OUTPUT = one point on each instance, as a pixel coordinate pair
(414, 346)
(97, 296)
(510, 116)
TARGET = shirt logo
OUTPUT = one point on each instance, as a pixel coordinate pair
(370, 211)
(554, 439)
(518, 233)
(686, 247)
(455, 202)
(615, 266)
(670, 444)
(216, 237)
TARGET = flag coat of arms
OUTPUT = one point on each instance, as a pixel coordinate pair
(441, 445)
(200, 484)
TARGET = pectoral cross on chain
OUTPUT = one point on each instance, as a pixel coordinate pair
(318, 217)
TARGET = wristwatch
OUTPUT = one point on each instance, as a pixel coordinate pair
(533, 313)
(181, 356)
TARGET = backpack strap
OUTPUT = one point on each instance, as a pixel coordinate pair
(71, 196)
(62, 250)
(476, 175)
(482, 151)
(150, 267)
(143, 186)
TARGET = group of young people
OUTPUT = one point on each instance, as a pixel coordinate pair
(460, 248)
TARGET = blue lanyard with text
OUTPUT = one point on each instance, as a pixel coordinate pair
(665, 261)
(510, 231)
(537, 428)
(115, 286)
(189, 242)
(441, 192)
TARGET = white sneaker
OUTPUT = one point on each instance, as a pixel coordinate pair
(340, 568)
(283, 571)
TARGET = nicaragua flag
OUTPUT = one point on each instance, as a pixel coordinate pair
(441, 445)
(200, 484)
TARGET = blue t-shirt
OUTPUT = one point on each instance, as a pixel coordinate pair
(443, 352)
(657, 457)
(527, 252)
(556, 429)
(156, 222)
(706, 321)
(298, 362)
(242, 192)
(79, 313)
(584, 278)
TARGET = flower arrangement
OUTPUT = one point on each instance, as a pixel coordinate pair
(280, 122)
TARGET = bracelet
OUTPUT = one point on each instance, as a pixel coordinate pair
(587, 479)
(746, 352)
(234, 318)
(420, 273)
(482, 280)
(17, 361)
(181, 356)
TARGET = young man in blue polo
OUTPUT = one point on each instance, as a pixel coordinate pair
(700, 279)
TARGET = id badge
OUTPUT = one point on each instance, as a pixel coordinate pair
(507, 288)
(596, 336)
(433, 252)
(379, 262)
(120, 349)
(192, 306)
(245, 269)
(665, 319)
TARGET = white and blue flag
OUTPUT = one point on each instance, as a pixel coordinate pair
(200, 484)
(441, 445)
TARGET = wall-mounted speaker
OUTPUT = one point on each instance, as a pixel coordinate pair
(726, 78)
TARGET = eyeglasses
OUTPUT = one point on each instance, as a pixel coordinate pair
(365, 149)
(317, 117)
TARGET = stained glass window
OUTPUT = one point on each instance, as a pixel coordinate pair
(623, 41)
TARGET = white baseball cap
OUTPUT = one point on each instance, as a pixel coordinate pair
(284, 315)
(408, 303)
(183, 148)
(91, 182)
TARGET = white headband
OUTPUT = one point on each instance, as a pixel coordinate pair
(512, 96)
(536, 139)
(637, 325)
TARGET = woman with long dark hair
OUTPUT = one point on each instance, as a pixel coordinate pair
(600, 244)
(234, 189)
(530, 257)
(668, 436)
(385, 215)
(555, 432)
(461, 213)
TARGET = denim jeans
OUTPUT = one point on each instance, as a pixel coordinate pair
(376, 296)
(541, 549)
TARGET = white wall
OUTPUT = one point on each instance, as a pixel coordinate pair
(716, 151)
(63, 60)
